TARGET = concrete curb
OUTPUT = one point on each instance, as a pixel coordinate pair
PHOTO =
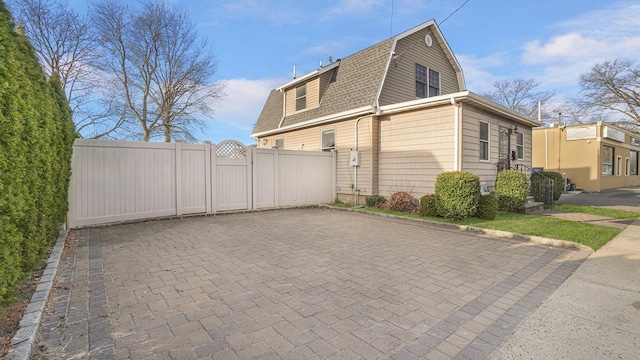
(23, 340)
(477, 230)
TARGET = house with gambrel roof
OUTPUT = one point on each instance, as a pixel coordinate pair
(398, 114)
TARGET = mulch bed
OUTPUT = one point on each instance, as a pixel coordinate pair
(11, 315)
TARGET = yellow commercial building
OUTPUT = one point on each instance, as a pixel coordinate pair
(593, 156)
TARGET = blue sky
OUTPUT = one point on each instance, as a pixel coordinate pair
(257, 42)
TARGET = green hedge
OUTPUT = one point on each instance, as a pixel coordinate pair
(511, 189)
(36, 137)
(537, 186)
(428, 205)
(457, 194)
(487, 207)
(374, 201)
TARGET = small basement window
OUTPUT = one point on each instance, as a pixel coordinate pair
(328, 140)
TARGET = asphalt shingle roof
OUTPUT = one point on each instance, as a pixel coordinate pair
(359, 76)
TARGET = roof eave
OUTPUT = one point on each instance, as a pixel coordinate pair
(317, 121)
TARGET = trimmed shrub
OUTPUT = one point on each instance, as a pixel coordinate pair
(457, 194)
(428, 205)
(511, 189)
(537, 186)
(36, 137)
(559, 183)
(487, 207)
(374, 201)
(400, 201)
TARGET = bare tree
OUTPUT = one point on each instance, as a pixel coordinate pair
(521, 96)
(65, 46)
(611, 90)
(180, 89)
(153, 54)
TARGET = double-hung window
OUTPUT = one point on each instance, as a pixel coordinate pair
(520, 146)
(427, 82)
(301, 97)
(484, 141)
(633, 165)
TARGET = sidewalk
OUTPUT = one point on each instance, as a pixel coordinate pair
(595, 314)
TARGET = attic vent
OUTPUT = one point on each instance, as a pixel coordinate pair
(428, 40)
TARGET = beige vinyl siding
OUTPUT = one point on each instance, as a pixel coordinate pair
(313, 96)
(471, 118)
(345, 141)
(400, 83)
(414, 148)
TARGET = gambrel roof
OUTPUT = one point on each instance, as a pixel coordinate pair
(357, 86)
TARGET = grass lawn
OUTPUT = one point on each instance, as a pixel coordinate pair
(594, 236)
(611, 213)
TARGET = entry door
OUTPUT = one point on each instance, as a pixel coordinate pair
(504, 149)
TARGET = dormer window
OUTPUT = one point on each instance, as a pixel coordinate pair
(427, 82)
(301, 97)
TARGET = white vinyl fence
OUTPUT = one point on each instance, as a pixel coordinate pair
(114, 181)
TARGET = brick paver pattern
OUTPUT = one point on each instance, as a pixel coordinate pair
(296, 284)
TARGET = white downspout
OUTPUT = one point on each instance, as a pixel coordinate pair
(456, 134)
(546, 150)
(355, 168)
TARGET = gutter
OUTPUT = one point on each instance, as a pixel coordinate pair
(365, 110)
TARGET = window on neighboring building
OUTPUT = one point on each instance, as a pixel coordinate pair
(280, 143)
(626, 166)
(633, 166)
(607, 160)
(427, 82)
(328, 139)
(301, 97)
(619, 167)
(484, 141)
(520, 146)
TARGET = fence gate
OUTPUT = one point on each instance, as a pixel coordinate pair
(115, 181)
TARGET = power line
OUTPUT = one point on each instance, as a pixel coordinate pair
(455, 11)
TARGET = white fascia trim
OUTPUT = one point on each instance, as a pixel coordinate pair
(501, 109)
(376, 101)
(421, 103)
(329, 118)
(297, 80)
(459, 96)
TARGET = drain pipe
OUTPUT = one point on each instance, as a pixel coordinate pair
(456, 137)
(355, 168)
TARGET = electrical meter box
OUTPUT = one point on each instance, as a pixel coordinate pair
(354, 158)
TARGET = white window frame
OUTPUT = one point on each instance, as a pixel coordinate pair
(619, 165)
(426, 84)
(301, 97)
(605, 163)
(487, 141)
(627, 166)
(520, 146)
(327, 131)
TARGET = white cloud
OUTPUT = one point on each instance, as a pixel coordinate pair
(243, 102)
(477, 78)
(581, 42)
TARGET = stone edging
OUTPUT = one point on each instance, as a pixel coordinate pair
(474, 229)
(23, 340)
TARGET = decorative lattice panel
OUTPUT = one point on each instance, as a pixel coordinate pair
(231, 150)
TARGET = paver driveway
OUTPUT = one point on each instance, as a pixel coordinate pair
(296, 284)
